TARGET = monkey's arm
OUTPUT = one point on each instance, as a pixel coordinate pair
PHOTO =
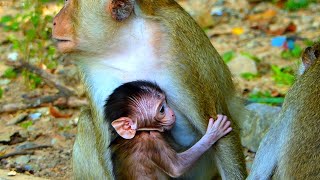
(177, 164)
(86, 161)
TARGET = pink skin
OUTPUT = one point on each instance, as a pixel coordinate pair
(176, 164)
(217, 129)
(170, 162)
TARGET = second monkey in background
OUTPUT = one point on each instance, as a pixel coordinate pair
(139, 113)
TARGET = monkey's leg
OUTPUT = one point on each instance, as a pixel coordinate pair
(86, 164)
(267, 156)
(229, 157)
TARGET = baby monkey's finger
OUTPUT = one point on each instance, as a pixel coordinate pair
(211, 122)
(223, 121)
(226, 125)
(219, 119)
(227, 131)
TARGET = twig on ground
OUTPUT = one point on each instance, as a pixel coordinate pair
(48, 78)
(37, 147)
(12, 107)
(65, 93)
(59, 100)
(25, 151)
(15, 154)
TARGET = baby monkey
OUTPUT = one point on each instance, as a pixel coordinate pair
(139, 113)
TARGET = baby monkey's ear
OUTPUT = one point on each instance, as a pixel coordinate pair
(125, 127)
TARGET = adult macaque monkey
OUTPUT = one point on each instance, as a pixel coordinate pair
(117, 41)
(140, 115)
(291, 149)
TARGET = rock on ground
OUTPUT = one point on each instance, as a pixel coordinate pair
(257, 125)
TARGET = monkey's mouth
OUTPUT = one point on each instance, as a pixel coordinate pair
(62, 40)
(64, 45)
(168, 127)
(59, 41)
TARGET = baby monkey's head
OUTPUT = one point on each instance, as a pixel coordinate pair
(137, 106)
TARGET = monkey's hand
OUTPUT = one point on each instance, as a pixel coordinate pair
(217, 129)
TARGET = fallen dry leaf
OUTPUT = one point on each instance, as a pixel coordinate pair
(291, 27)
(57, 114)
(264, 16)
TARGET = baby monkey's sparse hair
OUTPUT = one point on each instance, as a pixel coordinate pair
(139, 114)
(121, 102)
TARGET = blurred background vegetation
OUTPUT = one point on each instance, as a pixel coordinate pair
(260, 40)
(26, 27)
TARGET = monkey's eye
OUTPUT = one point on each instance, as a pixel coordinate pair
(162, 109)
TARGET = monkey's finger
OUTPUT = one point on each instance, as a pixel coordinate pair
(218, 121)
(223, 121)
(226, 125)
(211, 122)
(227, 131)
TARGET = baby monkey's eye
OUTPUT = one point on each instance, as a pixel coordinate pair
(162, 109)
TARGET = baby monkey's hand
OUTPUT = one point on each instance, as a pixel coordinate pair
(217, 129)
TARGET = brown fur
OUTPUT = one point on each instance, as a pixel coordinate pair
(133, 158)
(138, 112)
(194, 65)
(218, 83)
(292, 147)
(301, 154)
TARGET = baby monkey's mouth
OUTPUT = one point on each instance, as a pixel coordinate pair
(168, 127)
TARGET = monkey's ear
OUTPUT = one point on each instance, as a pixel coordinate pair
(125, 127)
(308, 57)
(121, 9)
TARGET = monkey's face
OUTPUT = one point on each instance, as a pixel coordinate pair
(165, 115)
(152, 112)
(63, 31)
(89, 26)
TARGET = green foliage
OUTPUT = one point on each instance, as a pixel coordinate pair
(1, 92)
(251, 56)
(32, 79)
(260, 94)
(65, 128)
(228, 56)
(52, 64)
(296, 51)
(292, 54)
(10, 73)
(308, 42)
(283, 76)
(35, 44)
(26, 124)
(249, 76)
(293, 5)
(265, 97)
(9, 23)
